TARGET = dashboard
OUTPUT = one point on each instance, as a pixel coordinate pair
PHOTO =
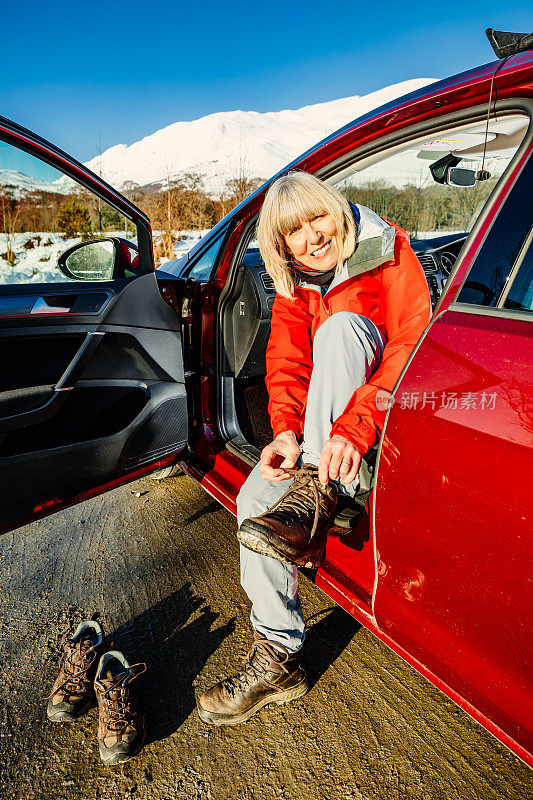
(437, 257)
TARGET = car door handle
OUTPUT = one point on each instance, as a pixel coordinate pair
(83, 303)
(42, 307)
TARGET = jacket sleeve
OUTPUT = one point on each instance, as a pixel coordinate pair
(406, 309)
(289, 364)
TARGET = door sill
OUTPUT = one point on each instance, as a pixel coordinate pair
(247, 452)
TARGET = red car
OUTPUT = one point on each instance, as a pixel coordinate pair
(113, 370)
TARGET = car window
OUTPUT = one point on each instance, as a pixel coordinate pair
(502, 251)
(202, 269)
(520, 294)
(429, 186)
(44, 215)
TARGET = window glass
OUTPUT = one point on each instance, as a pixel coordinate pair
(435, 188)
(505, 241)
(202, 269)
(520, 295)
(429, 187)
(44, 214)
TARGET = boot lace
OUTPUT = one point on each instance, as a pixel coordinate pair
(306, 495)
(117, 702)
(76, 662)
(256, 665)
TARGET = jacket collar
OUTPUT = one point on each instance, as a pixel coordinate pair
(374, 246)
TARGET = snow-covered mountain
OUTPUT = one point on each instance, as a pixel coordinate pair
(227, 144)
(18, 184)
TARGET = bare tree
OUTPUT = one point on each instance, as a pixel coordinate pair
(10, 210)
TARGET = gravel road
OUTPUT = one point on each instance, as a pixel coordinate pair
(159, 562)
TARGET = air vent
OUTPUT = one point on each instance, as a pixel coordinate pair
(268, 283)
(447, 261)
(428, 262)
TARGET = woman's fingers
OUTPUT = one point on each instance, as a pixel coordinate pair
(339, 459)
(275, 457)
(270, 473)
(330, 461)
(335, 464)
(323, 465)
(352, 473)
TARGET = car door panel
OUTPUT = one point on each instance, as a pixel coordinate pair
(21, 408)
(92, 389)
(88, 394)
(452, 528)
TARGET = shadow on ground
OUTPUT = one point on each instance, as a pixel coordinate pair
(326, 639)
(175, 650)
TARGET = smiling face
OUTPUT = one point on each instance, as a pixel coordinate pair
(314, 243)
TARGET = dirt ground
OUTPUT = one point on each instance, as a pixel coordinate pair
(159, 562)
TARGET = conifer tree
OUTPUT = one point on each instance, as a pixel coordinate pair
(73, 220)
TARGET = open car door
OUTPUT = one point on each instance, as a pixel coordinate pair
(92, 388)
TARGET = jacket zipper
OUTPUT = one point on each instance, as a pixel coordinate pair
(326, 308)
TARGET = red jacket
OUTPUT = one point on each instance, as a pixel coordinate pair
(382, 280)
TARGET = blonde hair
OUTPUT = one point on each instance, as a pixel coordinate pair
(293, 197)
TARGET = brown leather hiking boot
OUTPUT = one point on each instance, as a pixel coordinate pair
(121, 726)
(294, 529)
(72, 693)
(271, 675)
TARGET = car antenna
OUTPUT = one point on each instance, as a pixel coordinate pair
(504, 44)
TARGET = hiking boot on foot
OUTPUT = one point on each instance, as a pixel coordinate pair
(270, 675)
(72, 693)
(121, 726)
(294, 529)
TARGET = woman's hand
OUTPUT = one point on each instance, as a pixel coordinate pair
(339, 459)
(284, 451)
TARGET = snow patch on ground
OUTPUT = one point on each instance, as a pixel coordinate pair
(186, 240)
(38, 265)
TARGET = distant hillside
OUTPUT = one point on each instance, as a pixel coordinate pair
(224, 145)
(18, 184)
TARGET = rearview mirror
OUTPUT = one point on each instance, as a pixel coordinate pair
(446, 172)
(458, 176)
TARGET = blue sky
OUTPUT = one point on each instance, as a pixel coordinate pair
(88, 76)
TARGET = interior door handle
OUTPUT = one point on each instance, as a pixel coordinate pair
(41, 307)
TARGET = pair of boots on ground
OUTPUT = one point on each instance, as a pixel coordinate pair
(90, 673)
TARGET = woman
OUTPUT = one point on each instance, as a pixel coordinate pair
(352, 301)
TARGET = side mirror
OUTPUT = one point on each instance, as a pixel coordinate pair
(100, 260)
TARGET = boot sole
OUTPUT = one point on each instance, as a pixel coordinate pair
(120, 758)
(253, 538)
(235, 719)
(67, 716)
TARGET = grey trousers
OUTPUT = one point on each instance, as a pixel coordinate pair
(347, 350)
